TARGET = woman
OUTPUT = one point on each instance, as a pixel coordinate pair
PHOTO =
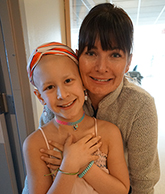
(105, 52)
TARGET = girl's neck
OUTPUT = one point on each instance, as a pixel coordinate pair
(70, 118)
(73, 124)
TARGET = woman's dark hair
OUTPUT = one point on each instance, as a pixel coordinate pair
(110, 24)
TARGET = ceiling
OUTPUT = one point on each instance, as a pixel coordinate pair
(142, 12)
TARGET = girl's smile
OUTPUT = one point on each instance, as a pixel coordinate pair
(60, 86)
(67, 105)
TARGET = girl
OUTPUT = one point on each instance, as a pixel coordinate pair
(88, 164)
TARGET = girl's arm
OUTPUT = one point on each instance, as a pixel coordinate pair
(35, 167)
(118, 179)
(75, 156)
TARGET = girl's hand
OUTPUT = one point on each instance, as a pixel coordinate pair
(79, 154)
(53, 157)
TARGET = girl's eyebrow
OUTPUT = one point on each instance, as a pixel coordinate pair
(47, 83)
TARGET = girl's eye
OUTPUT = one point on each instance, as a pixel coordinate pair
(68, 81)
(49, 87)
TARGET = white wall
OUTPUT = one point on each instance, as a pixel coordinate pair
(43, 21)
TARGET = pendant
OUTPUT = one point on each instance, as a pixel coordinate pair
(75, 127)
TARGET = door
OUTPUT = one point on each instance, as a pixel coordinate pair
(7, 185)
(16, 116)
(9, 138)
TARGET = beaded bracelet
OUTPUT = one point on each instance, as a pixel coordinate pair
(86, 170)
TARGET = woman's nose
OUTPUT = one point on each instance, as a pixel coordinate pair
(102, 65)
(61, 93)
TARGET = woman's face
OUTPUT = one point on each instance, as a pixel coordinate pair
(102, 71)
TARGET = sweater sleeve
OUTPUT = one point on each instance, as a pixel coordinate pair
(143, 159)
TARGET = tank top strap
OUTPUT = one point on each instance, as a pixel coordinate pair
(44, 136)
(95, 126)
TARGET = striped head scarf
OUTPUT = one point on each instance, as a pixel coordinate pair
(52, 48)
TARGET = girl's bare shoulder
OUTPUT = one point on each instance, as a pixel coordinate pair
(107, 127)
(33, 141)
(108, 131)
(36, 139)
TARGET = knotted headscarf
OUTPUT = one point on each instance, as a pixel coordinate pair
(52, 48)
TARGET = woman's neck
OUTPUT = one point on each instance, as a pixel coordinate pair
(95, 99)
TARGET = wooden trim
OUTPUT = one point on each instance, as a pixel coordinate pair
(67, 22)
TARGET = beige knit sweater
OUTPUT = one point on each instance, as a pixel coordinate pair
(133, 110)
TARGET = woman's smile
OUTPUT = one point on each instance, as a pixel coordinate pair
(100, 79)
(101, 70)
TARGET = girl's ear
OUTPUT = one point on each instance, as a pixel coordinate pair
(76, 52)
(129, 63)
(37, 93)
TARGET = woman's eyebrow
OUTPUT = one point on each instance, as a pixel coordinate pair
(93, 47)
(115, 48)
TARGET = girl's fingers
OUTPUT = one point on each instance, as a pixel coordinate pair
(94, 148)
(93, 141)
(87, 138)
(68, 140)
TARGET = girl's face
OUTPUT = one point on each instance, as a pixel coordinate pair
(102, 71)
(59, 86)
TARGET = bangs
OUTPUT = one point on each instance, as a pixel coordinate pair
(107, 33)
(112, 28)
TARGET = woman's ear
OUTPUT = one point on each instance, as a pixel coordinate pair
(37, 93)
(129, 63)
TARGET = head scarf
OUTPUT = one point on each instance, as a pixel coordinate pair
(52, 48)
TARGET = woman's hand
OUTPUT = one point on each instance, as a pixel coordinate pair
(53, 157)
(79, 154)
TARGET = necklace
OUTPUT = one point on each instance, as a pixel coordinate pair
(74, 124)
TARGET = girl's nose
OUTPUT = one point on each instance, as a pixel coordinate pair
(61, 93)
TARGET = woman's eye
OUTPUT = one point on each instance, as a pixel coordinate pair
(90, 53)
(68, 81)
(116, 55)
